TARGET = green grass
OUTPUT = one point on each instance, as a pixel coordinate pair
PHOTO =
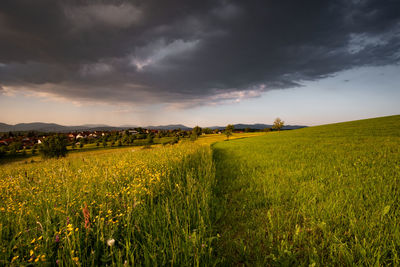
(153, 202)
(326, 195)
(322, 196)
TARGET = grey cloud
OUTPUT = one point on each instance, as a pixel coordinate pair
(188, 53)
(102, 15)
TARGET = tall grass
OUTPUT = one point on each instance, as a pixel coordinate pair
(147, 207)
(326, 195)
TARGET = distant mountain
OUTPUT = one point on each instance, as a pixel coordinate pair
(53, 127)
(96, 125)
(258, 126)
(34, 126)
(169, 127)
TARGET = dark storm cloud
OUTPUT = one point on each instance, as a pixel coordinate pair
(191, 52)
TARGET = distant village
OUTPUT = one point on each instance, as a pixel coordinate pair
(13, 142)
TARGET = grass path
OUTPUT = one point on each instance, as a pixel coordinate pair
(326, 195)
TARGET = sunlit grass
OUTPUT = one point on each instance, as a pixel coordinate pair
(326, 195)
(110, 206)
(152, 203)
(318, 196)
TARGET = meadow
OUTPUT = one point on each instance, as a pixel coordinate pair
(325, 195)
(110, 207)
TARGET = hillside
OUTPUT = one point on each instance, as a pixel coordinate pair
(319, 196)
(325, 195)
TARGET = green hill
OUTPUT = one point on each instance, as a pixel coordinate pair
(326, 195)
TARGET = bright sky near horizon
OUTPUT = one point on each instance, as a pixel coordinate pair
(219, 62)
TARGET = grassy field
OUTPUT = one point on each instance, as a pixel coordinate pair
(117, 206)
(138, 144)
(326, 195)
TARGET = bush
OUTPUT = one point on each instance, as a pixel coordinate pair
(54, 147)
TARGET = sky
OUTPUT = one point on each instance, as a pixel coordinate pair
(198, 62)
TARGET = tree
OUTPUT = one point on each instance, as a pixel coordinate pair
(125, 139)
(54, 146)
(229, 130)
(15, 146)
(80, 145)
(104, 142)
(196, 131)
(207, 131)
(73, 145)
(278, 124)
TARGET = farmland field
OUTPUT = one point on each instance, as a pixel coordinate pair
(326, 195)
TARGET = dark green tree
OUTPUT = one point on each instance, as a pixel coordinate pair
(196, 131)
(15, 146)
(54, 146)
(278, 124)
(207, 131)
(229, 130)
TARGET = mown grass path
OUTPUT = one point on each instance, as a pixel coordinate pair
(326, 195)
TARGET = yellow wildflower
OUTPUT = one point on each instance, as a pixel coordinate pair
(70, 228)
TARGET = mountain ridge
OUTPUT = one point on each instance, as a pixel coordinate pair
(54, 127)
